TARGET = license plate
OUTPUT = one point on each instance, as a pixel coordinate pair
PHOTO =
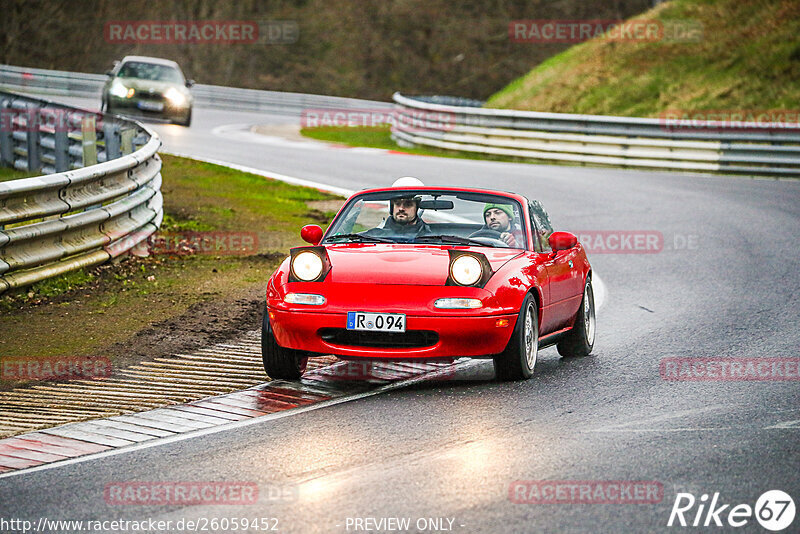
(151, 106)
(376, 322)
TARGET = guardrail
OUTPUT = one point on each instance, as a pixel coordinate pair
(54, 82)
(748, 148)
(100, 195)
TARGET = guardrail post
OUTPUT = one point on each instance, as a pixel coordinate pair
(61, 149)
(126, 141)
(6, 127)
(112, 137)
(34, 149)
(89, 140)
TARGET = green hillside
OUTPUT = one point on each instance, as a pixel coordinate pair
(747, 57)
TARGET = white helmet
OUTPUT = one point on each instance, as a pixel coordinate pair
(407, 181)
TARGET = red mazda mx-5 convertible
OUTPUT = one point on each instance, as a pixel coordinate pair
(431, 273)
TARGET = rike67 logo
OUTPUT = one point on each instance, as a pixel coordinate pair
(774, 510)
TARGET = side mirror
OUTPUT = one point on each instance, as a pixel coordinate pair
(189, 83)
(562, 241)
(311, 233)
(109, 73)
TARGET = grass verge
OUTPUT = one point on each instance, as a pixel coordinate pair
(7, 174)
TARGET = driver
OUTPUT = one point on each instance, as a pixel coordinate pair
(500, 218)
(404, 220)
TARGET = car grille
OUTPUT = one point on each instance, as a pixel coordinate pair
(155, 97)
(389, 340)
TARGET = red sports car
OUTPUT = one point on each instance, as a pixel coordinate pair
(431, 273)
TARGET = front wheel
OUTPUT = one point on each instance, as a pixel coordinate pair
(519, 358)
(579, 341)
(278, 361)
(188, 121)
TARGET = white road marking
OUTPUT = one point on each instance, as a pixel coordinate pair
(621, 427)
(786, 424)
(635, 430)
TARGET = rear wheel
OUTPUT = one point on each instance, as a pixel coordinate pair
(579, 341)
(279, 362)
(519, 358)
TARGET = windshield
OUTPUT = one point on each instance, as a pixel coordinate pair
(150, 71)
(409, 216)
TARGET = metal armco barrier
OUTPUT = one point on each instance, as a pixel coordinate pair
(53, 82)
(81, 212)
(748, 148)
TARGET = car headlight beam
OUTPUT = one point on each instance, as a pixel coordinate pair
(175, 97)
(119, 90)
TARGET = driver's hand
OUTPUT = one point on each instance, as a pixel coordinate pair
(508, 239)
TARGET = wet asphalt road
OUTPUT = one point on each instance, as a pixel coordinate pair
(724, 284)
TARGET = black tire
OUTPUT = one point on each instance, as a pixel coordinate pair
(188, 121)
(579, 341)
(519, 358)
(279, 362)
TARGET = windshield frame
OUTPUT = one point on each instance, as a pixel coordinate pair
(479, 196)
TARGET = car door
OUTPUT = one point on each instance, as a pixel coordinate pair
(562, 276)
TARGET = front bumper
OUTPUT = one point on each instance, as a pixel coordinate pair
(455, 336)
(130, 107)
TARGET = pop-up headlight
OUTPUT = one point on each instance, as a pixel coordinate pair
(309, 264)
(468, 269)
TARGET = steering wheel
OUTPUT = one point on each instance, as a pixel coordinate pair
(490, 237)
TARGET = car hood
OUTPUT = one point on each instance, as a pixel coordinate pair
(401, 264)
(158, 87)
